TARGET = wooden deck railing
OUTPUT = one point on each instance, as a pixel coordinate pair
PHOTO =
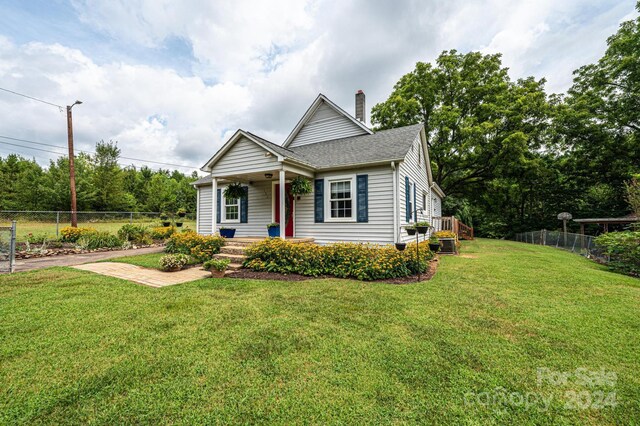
(450, 223)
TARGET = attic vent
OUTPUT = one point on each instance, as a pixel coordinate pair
(360, 106)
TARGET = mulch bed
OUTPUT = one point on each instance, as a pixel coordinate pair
(256, 275)
(67, 249)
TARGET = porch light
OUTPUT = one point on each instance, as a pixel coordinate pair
(268, 175)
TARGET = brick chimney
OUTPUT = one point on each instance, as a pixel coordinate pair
(360, 109)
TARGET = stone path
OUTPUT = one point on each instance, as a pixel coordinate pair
(77, 259)
(140, 275)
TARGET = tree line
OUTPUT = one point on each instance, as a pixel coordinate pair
(511, 156)
(101, 184)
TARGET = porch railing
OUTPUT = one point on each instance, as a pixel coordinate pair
(451, 223)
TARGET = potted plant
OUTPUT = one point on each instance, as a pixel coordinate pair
(217, 267)
(273, 229)
(234, 190)
(401, 246)
(411, 230)
(422, 227)
(227, 232)
(173, 262)
(181, 212)
(434, 243)
(300, 186)
(164, 218)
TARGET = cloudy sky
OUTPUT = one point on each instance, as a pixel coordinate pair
(171, 81)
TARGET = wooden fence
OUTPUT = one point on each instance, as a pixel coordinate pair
(450, 223)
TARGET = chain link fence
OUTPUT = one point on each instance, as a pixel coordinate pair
(575, 243)
(51, 222)
(7, 248)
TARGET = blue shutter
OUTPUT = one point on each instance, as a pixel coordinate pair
(363, 198)
(244, 208)
(415, 202)
(407, 199)
(218, 201)
(319, 201)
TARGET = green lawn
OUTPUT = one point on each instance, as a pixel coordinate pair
(81, 348)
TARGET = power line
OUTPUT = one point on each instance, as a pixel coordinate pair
(93, 152)
(32, 98)
(59, 153)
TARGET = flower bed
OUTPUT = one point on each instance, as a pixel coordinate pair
(201, 247)
(343, 260)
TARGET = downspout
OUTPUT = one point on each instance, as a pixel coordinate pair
(395, 201)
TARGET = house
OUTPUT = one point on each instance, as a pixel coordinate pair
(366, 185)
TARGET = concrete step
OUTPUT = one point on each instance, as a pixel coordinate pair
(232, 249)
(231, 243)
(234, 258)
(234, 267)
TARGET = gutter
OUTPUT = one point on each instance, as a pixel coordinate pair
(395, 202)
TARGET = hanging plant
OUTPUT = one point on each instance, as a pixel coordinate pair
(301, 186)
(234, 190)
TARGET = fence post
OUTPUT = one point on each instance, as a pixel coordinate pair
(12, 248)
(57, 223)
(130, 218)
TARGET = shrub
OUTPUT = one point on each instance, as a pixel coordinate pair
(162, 232)
(623, 249)
(216, 264)
(201, 247)
(171, 262)
(445, 234)
(39, 238)
(96, 240)
(71, 235)
(135, 233)
(343, 260)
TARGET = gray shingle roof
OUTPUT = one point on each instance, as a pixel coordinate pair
(385, 145)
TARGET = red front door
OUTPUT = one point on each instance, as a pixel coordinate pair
(288, 207)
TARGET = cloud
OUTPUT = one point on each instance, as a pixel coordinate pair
(258, 65)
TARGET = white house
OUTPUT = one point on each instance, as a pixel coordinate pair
(366, 185)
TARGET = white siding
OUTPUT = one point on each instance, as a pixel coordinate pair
(259, 211)
(245, 157)
(326, 124)
(414, 167)
(379, 228)
(436, 206)
(204, 210)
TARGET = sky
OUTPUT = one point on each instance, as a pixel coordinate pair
(172, 81)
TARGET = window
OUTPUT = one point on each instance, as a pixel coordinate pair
(340, 203)
(424, 201)
(231, 209)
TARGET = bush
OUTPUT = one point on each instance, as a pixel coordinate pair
(201, 247)
(96, 240)
(135, 233)
(623, 249)
(70, 234)
(216, 264)
(39, 238)
(343, 260)
(445, 234)
(171, 262)
(162, 232)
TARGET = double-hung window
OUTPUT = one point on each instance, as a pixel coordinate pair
(231, 211)
(341, 199)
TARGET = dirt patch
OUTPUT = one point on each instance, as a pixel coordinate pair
(256, 275)
(468, 256)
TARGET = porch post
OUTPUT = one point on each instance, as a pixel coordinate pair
(214, 203)
(283, 213)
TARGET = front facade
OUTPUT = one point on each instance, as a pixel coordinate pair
(366, 185)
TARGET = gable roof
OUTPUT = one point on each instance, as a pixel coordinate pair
(382, 146)
(321, 99)
(235, 138)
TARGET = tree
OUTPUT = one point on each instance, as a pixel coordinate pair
(478, 122)
(108, 179)
(633, 194)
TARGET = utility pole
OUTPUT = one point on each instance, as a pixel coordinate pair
(72, 169)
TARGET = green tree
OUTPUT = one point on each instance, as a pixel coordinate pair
(108, 179)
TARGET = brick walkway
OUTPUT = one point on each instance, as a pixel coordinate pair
(140, 275)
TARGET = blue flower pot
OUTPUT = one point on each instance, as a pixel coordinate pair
(227, 233)
(274, 231)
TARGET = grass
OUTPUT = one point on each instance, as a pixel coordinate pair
(49, 228)
(82, 348)
(150, 260)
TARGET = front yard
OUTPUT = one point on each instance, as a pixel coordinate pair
(76, 347)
